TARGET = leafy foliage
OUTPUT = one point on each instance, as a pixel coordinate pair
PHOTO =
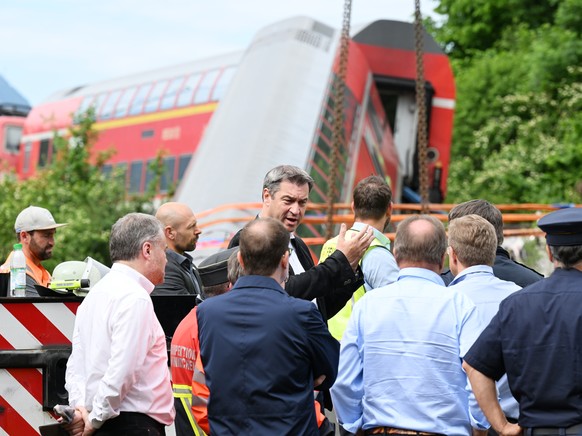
(74, 189)
(518, 128)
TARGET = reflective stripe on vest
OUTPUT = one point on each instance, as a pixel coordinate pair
(339, 322)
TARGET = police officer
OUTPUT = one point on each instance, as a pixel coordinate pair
(535, 338)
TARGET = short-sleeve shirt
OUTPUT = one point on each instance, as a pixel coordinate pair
(536, 337)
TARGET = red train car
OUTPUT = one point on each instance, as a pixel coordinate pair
(13, 111)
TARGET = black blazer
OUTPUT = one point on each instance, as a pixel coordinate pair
(332, 282)
(179, 279)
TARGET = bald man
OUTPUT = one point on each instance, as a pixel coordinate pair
(182, 232)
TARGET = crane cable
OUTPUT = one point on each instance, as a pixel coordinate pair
(338, 132)
(421, 105)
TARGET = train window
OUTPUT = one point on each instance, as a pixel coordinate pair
(135, 176)
(205, 88)
(168, 175)
(106, 170)
(123, 104)
(98, 103)
(12, 135)
(185, 97)
(183, 165)
(170, 95)
(222, 83)
(27, 151)
(140, 97)
(43, 155)
(85, 104)
(107, 111)
(153, 100)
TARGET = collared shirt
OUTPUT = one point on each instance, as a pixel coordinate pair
(379, 266)
(119, 357)
(487, 291)
(400, 359)
(535, 339)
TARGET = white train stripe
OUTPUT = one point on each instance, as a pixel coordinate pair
(23, 403)
(15, 333)
(60, 316)
(444, 103)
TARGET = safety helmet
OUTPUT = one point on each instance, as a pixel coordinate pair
(76, 276)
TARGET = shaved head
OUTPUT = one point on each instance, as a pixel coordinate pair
(180, 226)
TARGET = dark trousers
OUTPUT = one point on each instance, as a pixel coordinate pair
(132, 424)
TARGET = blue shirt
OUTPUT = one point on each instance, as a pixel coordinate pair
(487, 291)
(400, 358)
(378, 265)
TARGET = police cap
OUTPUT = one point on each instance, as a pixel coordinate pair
(563, 227)
(214, 269)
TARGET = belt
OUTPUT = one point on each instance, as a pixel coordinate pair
(549, 431)
(392, 430)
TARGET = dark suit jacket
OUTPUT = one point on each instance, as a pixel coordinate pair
(507, 269)
(179, 279)
(261, 350)
(332, 282)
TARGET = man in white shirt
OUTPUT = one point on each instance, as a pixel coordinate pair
(117, 376)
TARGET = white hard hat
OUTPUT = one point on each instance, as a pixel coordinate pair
(77, 276)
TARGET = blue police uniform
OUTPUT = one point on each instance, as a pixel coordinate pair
(536, 339)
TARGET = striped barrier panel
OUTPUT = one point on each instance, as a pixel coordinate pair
(35, 343)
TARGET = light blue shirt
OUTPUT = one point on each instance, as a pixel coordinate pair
(400, 358)
(487, 291)
(378, 265)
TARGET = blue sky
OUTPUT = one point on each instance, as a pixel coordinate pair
(49, 45)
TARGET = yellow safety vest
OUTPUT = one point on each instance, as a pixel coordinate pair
(339, 322)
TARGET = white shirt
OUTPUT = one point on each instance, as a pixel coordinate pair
(119, 357)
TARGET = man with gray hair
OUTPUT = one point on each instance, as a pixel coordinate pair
(400, 360)
(117, 376)
(472, 245)
(331, 284)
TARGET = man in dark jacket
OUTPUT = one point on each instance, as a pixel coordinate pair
(262, 350)
(285, 194)
(182, 233)
(504, 267)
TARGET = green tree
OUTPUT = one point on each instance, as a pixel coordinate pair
(518, 132)
(76, 191)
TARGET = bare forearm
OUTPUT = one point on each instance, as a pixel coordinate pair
(486, 395)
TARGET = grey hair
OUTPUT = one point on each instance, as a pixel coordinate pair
(129, 234)
(235, 269)
(286, 173)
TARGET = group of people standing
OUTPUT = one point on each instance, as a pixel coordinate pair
(256, 356)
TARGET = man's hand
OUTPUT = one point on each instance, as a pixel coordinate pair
(510, 429)
(81, 425)
(354, 248)
(319, 380)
